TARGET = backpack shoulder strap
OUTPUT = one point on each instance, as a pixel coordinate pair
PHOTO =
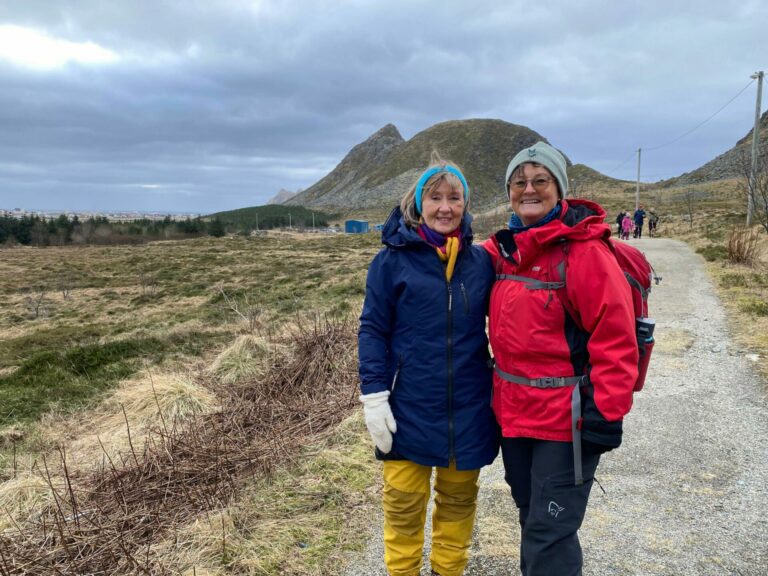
(561, 269)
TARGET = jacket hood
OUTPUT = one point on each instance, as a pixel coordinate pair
(396, 233)
(580, 220)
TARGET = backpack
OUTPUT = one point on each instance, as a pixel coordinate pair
(641, 276)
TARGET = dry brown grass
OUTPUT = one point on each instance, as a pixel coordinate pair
(246, 358)
(744, 293)
(22, 496)
(107, 289)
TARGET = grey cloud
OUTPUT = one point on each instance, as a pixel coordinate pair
(224, 103)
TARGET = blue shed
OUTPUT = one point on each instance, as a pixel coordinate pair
(355, 226)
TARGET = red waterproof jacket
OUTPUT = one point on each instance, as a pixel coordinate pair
(532, 335)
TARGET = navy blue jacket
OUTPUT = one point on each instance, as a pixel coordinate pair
(424, 339)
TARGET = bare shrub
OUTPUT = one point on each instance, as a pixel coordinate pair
(66, 281)
(743, 246)
(244, 307)
(148, 283)
(35, 302)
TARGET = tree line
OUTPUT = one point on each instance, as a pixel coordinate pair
(34, 230)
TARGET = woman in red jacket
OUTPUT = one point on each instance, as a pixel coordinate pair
(561, 384)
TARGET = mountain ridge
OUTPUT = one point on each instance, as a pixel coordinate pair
(377, 172)
(380, 170)
(730, 164)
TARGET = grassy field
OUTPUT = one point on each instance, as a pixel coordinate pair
(100, 346)
(75, 321)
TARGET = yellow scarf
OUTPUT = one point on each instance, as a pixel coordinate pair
(451, 252)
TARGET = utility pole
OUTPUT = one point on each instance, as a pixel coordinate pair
(257, 221)
(755, 143)
(637, 187)
(290, 225)
(313, 221)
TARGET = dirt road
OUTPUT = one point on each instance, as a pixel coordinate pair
(687, 493)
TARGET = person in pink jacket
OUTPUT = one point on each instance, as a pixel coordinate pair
(626, 226)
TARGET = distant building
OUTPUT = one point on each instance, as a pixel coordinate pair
(356, 226)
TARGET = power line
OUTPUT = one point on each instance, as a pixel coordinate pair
(699, 125)
(621, 164)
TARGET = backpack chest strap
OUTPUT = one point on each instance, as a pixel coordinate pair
(532, 283)
(544, 382)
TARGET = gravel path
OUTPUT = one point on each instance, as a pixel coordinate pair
(687, 493)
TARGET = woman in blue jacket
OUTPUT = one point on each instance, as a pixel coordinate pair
(425, 377)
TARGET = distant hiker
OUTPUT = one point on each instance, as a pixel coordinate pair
(626, 226)
(424, 371)
(560, 392)
(639, 218)
(619, 220)
(653, 222)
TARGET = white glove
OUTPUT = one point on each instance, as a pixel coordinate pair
(379, 419)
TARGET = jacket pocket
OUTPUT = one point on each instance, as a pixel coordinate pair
(396, 376)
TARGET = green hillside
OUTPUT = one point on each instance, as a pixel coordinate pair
(272, 216)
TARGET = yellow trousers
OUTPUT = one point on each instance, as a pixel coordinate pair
(406, 492)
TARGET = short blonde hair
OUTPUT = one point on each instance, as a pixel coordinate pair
(411, 214)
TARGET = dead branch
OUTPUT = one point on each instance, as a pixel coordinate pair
(108, 521)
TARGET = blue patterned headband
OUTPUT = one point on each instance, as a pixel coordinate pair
(436, 170)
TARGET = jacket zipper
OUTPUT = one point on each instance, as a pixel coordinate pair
(449, 328)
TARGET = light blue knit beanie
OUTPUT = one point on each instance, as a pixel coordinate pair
(544, 154)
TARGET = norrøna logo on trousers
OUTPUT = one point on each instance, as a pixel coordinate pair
(555, 508)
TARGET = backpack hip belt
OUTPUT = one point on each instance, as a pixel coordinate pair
(558, 382)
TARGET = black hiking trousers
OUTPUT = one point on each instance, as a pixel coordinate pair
(540, 474)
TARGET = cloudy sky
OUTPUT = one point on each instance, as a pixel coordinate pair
(206, 105)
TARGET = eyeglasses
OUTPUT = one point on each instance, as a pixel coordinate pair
(539, 183)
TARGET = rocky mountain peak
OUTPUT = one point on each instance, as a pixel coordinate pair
(376, 147)
(353, 170)
(282, 196)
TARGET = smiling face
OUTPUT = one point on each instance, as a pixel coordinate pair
(442, 207)
(530, 196)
